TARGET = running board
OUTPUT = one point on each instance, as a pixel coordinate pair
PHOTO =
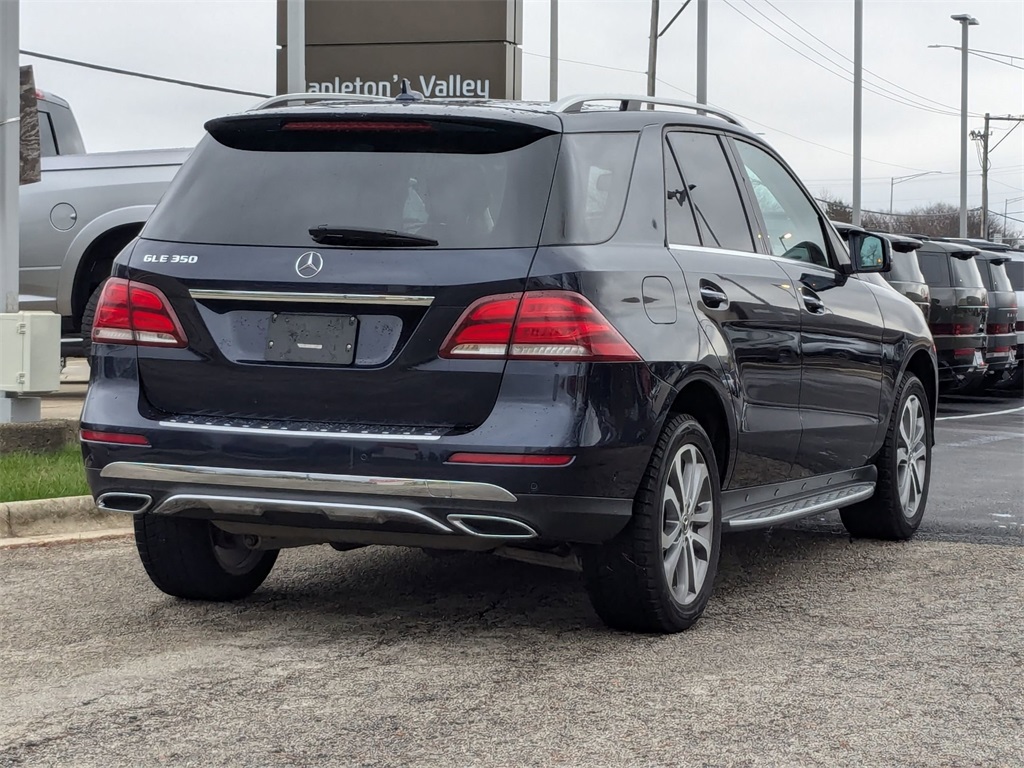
(765, 506)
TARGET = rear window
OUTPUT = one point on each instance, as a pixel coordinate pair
(935, 267)
(267, 181)
(1015, 271)
(995, 277)
(966, 273)
(905, 268)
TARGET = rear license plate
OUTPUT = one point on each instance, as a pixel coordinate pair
(323, 339)
(979, 359)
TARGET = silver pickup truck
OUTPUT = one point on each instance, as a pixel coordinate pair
(74, 221)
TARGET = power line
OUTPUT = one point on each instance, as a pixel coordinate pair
(997, 61)
(843, 55)
(129, 73)
(586, 63)
(843, 74)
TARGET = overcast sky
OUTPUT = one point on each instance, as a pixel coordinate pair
(802, 109)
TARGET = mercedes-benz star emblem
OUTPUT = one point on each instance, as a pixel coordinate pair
(309, 264)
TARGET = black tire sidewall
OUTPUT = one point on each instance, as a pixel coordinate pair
(89, 317)
(685, 430)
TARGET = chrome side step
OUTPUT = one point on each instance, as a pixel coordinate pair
(822, 502)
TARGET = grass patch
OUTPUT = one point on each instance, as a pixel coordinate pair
(26, 476)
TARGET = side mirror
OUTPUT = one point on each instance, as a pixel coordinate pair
(870, 253)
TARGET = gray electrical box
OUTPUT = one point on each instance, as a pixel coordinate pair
(29, 352)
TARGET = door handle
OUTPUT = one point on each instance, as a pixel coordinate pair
(812, 302)
(712, 295)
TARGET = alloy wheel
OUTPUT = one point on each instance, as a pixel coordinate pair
(911, 456)
(686, 523)
(232, 553)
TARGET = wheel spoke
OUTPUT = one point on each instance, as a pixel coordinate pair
(672, 564)
(702, 542)
(703, 514)
(698, 569)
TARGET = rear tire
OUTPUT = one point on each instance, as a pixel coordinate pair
(659, 573)
(904, 471)
(195, 560)
(88, 318)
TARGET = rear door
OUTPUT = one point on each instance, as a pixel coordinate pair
(346, 330)
(841, 325)
(744, 301)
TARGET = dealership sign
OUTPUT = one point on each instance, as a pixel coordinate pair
(465, 49)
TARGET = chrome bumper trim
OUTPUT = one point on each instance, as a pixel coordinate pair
(297, 432)
(205, 294)
(334, 511)
(309, 482)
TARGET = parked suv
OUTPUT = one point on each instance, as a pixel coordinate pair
(563, 332)
(1001, 351)
(905, 275)
(1014, 267)
(959, 312)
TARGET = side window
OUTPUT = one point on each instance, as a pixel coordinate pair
(795, 230)
(47, 146)
(712, 188)
(679, 221)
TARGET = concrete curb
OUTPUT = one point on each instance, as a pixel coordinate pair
(57, 539)
(71, 514)
(38, 436)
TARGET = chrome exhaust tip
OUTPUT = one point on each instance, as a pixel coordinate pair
(129, 503)
(492, 526)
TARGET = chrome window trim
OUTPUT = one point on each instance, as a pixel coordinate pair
(312, 482)
(298, 432)
(212, 294)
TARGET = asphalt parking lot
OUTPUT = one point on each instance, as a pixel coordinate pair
(814, 651)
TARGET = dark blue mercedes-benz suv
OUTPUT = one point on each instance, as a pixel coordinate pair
(588, 332)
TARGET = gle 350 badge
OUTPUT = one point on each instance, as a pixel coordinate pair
(169, 258)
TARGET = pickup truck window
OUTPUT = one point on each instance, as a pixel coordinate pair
(47, 142)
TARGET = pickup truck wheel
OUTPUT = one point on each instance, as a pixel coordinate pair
(88, 317)
(196, 560)
(659, 573)
(904, 471)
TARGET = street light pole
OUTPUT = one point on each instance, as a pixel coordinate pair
(966, 22)
(553, 61)
(858, 80)
(10, 155)
(652, 51)
(900, 179)
(702, 51)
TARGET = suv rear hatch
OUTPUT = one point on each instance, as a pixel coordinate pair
(318, 259)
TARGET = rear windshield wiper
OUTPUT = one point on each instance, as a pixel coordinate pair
(361, 237)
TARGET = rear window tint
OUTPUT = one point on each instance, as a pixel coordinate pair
(1015, 271)
(905, 268)
(589, 193)
(966, 273)
(997, 280)
(466, 185)
(935, 267)
(47, 144)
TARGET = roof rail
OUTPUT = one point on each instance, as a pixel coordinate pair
(285, 98)
(629, 103)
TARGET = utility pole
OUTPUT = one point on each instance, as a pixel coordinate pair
(553, 60)
(984, 180)
(296, 39)
(966, 22)
(858, 92)
(652, 50)
(10, 154)
(702, 51)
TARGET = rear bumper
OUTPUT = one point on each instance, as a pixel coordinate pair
(961, 359)
(388, 483)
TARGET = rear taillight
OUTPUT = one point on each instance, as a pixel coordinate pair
(116, 438)
(996, 328)
(953, 329)
(133, 313)
(537, 325)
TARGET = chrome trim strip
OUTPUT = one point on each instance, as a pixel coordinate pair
(209, 294)
(460, 520)
(256, 506)
(309, 482)
(297, 433)
(822, 502)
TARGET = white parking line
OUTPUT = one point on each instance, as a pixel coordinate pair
(980, 415)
